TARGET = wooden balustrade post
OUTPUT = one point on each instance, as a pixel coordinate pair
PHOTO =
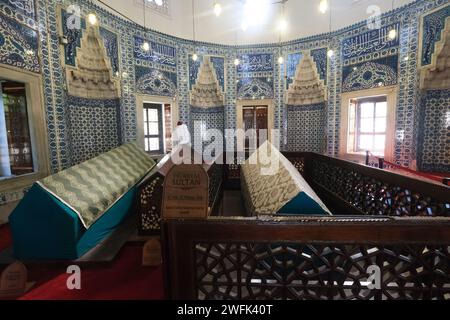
(381, 163)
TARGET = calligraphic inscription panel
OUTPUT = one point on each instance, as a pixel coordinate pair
(369, 42)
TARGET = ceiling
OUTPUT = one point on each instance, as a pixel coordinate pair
(303, 17)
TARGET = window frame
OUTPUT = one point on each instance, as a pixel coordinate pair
(37, 126)
(358, 132)
(142, 99)
(391, 99)
(159, 107)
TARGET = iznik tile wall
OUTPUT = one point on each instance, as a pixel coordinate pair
(89, 118)
(155, 82)
(434, 139)
(203, 119)
(166, 70)
(307, 128)
(18, 45)
(432, 26)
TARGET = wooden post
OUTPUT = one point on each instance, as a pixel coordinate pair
(381, 163)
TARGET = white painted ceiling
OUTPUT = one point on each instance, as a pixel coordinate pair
(303, 16)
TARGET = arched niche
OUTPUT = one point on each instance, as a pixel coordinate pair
(92, 76)
(206, 92)
(437, 74)
(307, 87)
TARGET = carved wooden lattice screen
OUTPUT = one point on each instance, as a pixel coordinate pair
(278, 259)
(320, 271)
(376, 192)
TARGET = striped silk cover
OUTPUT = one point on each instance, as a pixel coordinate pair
(92, 187)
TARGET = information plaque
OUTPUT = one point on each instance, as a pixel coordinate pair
(185, 192)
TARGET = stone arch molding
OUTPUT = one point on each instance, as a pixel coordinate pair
(92, 77)
(206, 92)
(307, 87)
(437, 74)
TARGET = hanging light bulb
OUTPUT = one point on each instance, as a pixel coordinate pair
(282, 25)
(392, 34)
(280, 59)
(92, 18)
(217, 9)
(323, 6)
(146, 46)
(330, 52)
(195, 57)
(244, 26)
(236, 62)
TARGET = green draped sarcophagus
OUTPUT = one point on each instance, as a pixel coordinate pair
(65, 215)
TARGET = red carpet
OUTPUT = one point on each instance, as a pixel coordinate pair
(125, 278)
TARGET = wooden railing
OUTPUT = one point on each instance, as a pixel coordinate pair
(347, 258)
(392, 243)
(150, 195)
(345, 187)
(351, 188)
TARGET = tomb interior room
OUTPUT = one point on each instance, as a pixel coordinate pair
(225, 150)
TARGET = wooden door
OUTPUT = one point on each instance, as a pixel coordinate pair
(261, 122)
(254, 117)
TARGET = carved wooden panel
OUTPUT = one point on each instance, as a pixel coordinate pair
(215, 174)
(373, 196)
(149, 205)
(299, 163)
(312, 271)
(234, 171)
(150, 196)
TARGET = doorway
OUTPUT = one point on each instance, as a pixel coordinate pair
(150, 139)
(255, 117)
